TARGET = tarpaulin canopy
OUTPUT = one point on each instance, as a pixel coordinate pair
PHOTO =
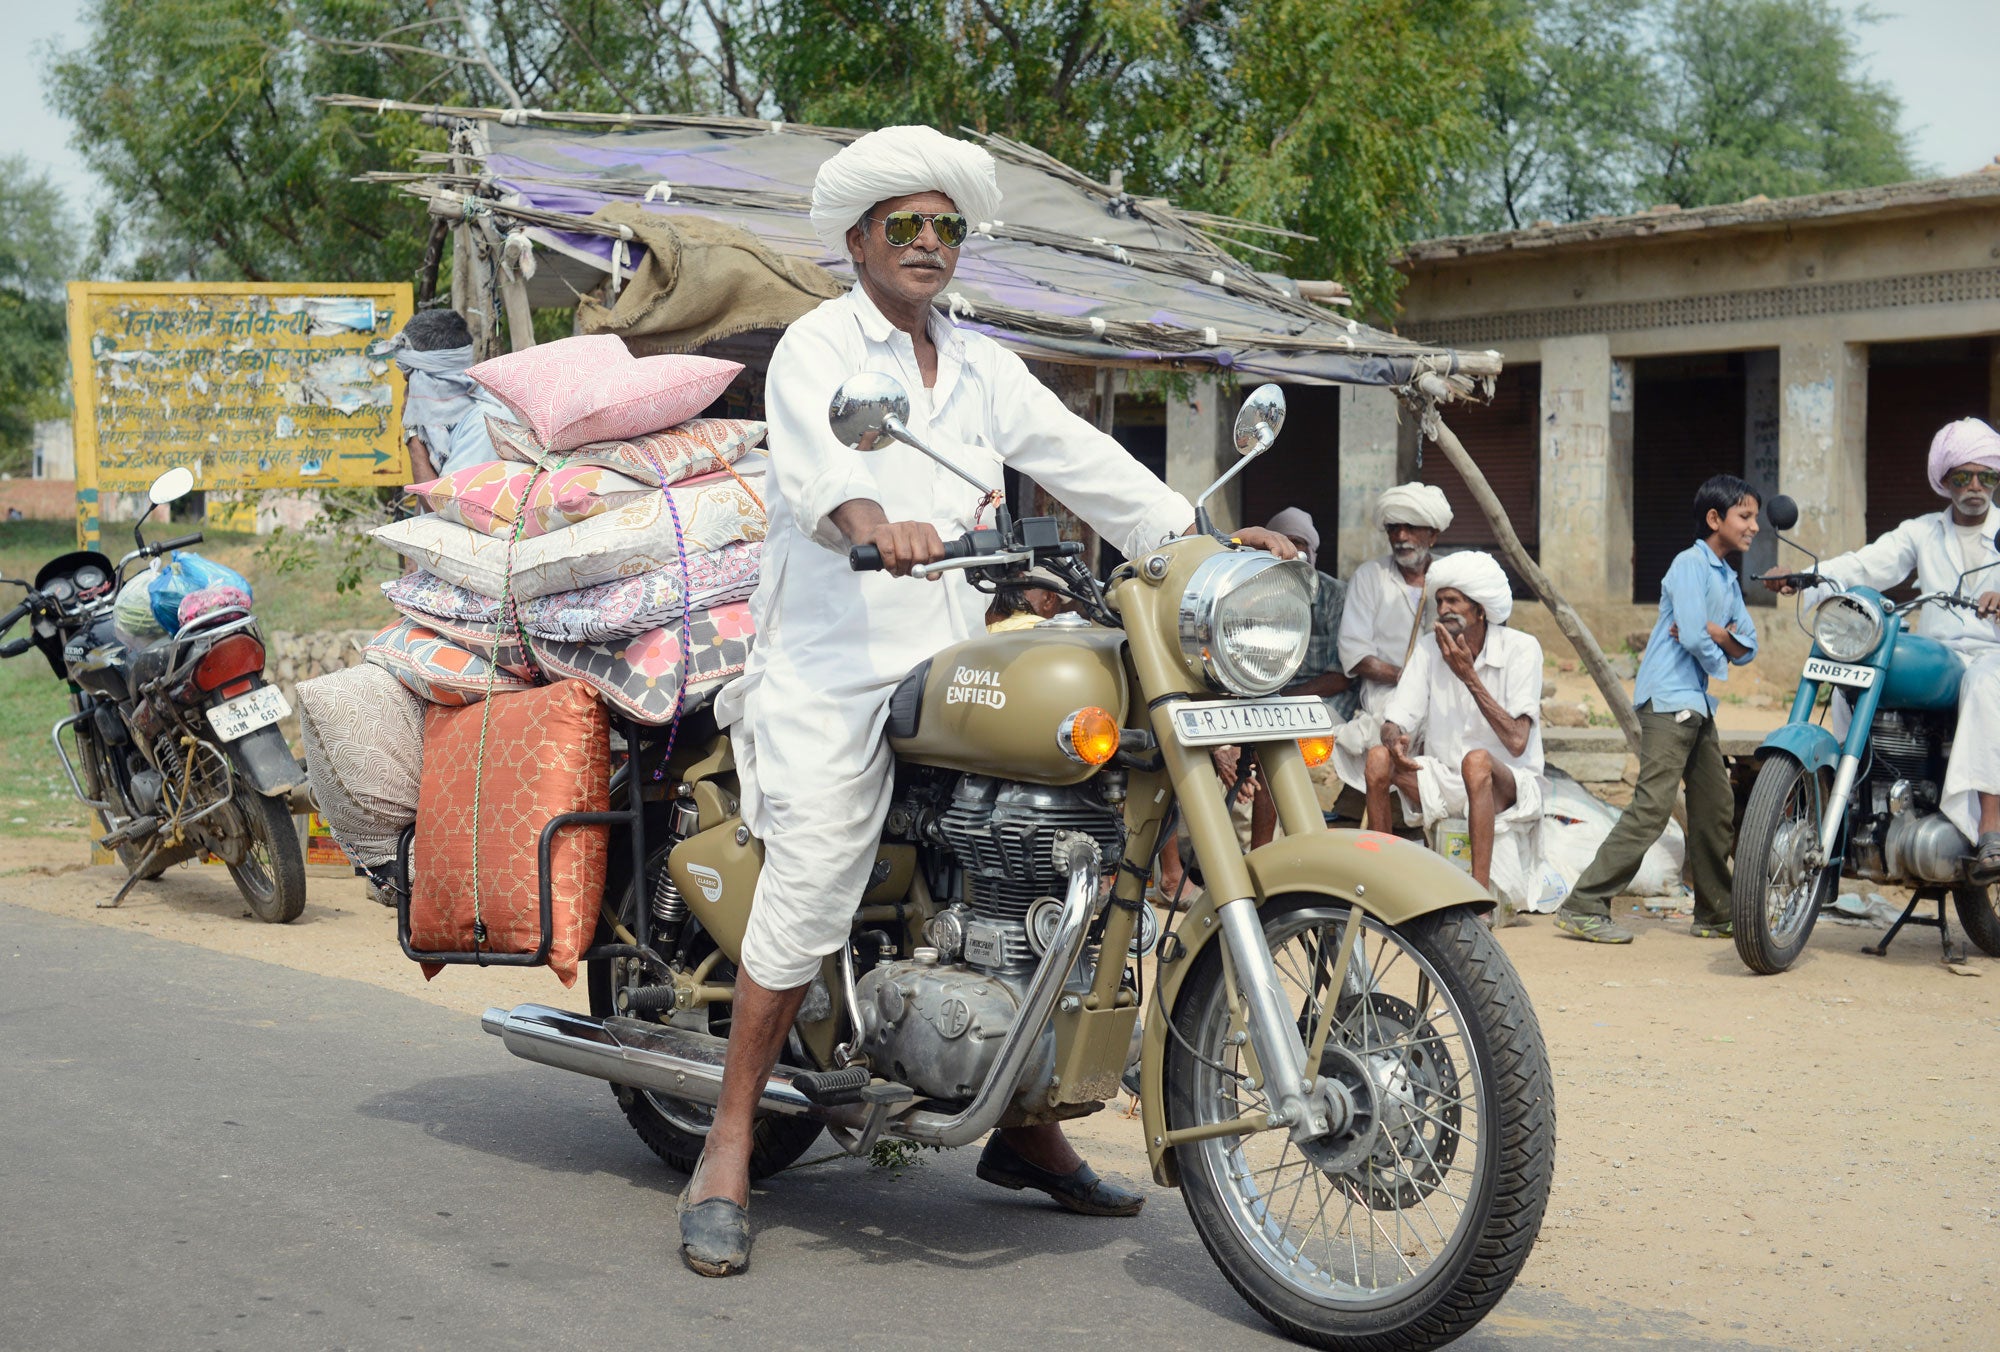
(1073, 271)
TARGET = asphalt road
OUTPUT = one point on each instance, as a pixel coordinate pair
(206, 1151)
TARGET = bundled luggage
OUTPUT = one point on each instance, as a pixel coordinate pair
(604, 561)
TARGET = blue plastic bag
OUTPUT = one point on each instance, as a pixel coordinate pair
(187, 572)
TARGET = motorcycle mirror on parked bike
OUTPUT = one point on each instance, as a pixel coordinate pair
(172, 486)
(1783, 512)
(870, 402)
(1257, 426)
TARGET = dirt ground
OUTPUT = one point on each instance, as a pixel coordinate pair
(1810, 1160)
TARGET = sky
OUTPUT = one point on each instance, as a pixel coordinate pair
(1942, 57)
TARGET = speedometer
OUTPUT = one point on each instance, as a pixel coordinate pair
(90, 579)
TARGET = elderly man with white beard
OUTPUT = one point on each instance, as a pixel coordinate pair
(1939, 548)
(808, 715)
(1473, 689)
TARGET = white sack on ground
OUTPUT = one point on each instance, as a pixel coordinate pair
(1574, 825)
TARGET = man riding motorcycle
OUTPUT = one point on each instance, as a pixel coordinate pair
(1939, 548)
(809, 712)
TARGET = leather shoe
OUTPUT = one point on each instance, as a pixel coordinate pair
(715, 1237)
(1082, 1192)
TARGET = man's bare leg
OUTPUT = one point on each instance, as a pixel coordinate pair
(1384, 775)
(1489, 791)
(1989, 812)
(759, 1019)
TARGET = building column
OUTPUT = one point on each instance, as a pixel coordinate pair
(1823, 441)
(1760, 461)
(1200, 446)
(1586, 485)
(1370, 446)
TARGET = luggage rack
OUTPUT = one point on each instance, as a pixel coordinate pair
(633, 814)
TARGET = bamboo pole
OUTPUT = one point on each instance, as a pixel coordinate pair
(1567, 620)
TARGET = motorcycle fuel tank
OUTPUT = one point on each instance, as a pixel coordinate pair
(1922, 674)
(992, 705)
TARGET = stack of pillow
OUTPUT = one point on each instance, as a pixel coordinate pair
(614, 542)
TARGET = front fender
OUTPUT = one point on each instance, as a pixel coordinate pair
(1807, 743)
(265, 762)
(1392, 879)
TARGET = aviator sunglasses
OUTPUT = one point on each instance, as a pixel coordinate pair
(1966, 478)
(901, 228)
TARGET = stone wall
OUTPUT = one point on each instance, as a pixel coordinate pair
(290, 658)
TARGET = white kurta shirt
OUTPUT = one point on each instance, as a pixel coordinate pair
(1381, 610)
(1929, 547)
(1432, 700)
(810, 708)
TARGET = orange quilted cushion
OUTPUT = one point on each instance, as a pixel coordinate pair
(547, 752)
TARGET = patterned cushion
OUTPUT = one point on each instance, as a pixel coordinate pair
(364, 736)
(590, 388)
(636, 538)
(542, 753)
(626, 605)
(488, 497)
(641, 676)
(440, 670)
(702, 446)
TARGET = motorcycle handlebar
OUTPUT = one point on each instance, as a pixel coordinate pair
(868, 559)
(16, 648)
(14, 617)
(179, 542)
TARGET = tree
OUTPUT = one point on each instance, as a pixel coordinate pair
(35, 259)
(1767, 96)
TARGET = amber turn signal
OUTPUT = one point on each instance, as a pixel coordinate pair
(1316, 750)
(1089, 736)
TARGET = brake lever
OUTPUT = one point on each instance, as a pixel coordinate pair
(939, 569)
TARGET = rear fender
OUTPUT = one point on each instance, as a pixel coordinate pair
(265, 762)
(1392, 879)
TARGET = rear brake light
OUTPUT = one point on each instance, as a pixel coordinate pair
(236, 656)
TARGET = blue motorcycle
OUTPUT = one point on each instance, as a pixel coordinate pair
(1866, 806)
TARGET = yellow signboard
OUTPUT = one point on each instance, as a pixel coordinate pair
(251, 385)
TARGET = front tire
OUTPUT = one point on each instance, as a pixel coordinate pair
(1408, 1230)
(1975, 912)
(272, 876)
(1777, 891)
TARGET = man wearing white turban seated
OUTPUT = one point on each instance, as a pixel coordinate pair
(1939, 548)
(1385, 615)
(809, 712)
(1473, 689)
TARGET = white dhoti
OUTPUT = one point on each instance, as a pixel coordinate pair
(1975, 749)
(1516, 832)
(1352, 739)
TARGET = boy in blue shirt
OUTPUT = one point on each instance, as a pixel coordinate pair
(1703, 628)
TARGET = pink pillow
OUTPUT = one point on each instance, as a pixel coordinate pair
(591, 388)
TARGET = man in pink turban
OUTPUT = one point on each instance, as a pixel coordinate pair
(1940, 548)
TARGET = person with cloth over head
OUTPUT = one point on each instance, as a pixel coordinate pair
(1473, 689)
(1320, 674)
(1940, 548)
(1384, 616)
(444, 409)
(808, 715)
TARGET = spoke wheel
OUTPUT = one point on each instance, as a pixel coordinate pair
(1780, 881)
(1404, 1228)
(272, 874)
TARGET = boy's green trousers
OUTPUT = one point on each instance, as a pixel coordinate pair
(1669, 752)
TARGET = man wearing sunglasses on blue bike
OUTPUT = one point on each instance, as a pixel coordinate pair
(1939, 549)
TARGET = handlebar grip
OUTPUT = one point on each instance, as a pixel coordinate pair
(865, 559)
(13, 617)
(16, 648)
(961, 548)
(181, 542)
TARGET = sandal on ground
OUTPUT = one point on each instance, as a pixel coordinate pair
(715, 1237)
(1596, 929)
(1082, 1192)
(1985, 868)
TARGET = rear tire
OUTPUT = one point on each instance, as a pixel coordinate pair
(1775, 897)
(272, 876)
(1975, 912)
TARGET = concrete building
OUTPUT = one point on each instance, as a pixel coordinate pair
(1812, 345)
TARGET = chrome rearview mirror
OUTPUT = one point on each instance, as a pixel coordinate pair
(870, 409)
(1257, 424)
(1260, 420)
(172, 486)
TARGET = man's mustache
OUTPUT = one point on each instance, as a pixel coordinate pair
(923, 258)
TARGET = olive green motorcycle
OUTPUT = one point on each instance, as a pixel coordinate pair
(1335, 1063)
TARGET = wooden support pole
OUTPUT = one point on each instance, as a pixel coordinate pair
(1567, 620)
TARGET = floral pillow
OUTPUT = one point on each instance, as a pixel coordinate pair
(701, 446)
(488, 497)
(641, 676)
(591, 388)
(440, 670)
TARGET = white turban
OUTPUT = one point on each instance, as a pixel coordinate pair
(895, 162)
(1414, 505)
(1480, 579)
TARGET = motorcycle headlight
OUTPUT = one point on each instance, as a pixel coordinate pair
(1245, 620)
(1846, 628)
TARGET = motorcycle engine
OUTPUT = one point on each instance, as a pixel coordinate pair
(1903, 837)
(937, 1025)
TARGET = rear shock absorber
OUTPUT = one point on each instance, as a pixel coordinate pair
(669, 907)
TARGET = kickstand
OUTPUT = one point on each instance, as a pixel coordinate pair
(131, 880)
(1910, 917)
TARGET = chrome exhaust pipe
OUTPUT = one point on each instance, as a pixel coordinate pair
(674, 1061)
